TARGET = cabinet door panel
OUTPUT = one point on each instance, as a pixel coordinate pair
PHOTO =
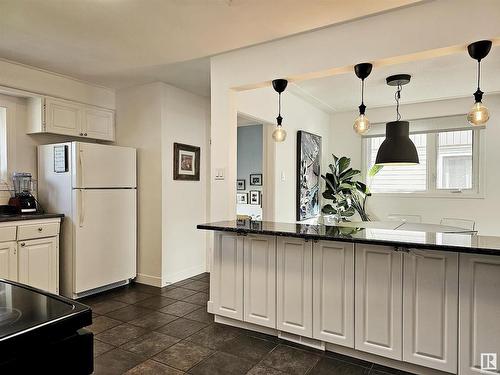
(430, 309)
(62, 117)
(228, 275)
(378, 301)
(99, 123)
(38, 263)
(260, 280)
(8, 261)
(294, 282)
(479, 311)
(333, 292)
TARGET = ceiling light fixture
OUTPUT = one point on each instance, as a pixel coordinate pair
(397, 148)
(479, 114)
(362, 124)
(279, 134)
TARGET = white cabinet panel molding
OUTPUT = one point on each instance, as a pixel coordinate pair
(8, 260)
(333, 292)
(39, 263)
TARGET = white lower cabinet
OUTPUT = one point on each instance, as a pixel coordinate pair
(479, 307)
(294, 286)
(259, 285)
(430, 309)
(227, 295)
(38, 260)
(333, 292)
(378, 300)
(8, 260)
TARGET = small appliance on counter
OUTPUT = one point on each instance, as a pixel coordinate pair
(23, 198)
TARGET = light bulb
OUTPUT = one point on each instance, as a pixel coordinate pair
(279, 134)
(361, 124)
(478, 115)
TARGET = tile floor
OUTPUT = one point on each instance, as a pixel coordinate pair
(146, 330)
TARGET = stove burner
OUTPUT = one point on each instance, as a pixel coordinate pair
(9, 316)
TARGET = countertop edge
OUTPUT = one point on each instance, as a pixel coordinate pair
(8, 219)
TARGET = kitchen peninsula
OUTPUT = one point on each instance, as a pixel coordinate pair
(416, 300)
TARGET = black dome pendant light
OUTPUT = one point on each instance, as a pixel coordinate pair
(397, 148)
(279, 134)
(479, 114)
(362, 124)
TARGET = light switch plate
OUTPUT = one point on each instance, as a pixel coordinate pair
(219, 173)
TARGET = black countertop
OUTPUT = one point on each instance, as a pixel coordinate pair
(7, 218)
(455, 242)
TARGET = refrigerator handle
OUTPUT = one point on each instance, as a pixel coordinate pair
(81, 168)
(82, 207)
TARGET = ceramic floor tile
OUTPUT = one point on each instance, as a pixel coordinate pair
(222, 364)
(263, 370)
(130, 296)
(143, 288)
(116, 362)
(121, 334)
(200, 315)
(153, 368)
(150, 344)
(102, 323)
(178, 293)
(215, 335)
(291, 360)
(196, 285)
(153, 320)
(327, 366)
(183, 355)
(181, 328)
(200, 298)
(128, 313)
(179, 308)
(155, 302)
(106, 306)
(248, 347)
(346, 358)
(101, 347)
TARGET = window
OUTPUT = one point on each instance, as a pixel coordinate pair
(449, 164)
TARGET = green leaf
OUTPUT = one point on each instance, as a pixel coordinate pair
(329, 210)
(343, 164)
(362, 187)
(348, 174)
(374, 170)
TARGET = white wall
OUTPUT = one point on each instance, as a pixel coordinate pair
(151, 118)
(298, 114)
(425, 27)
(185, 119)
(483, 210)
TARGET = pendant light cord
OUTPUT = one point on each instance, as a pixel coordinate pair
(478, 73)
(279, 104)
(397, 96)
(362, 91)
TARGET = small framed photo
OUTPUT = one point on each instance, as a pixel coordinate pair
(256, 179)
(186, 162)
(242, 198)
(240, 185)
(255, 197)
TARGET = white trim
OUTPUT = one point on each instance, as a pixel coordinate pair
(148, 280)
(183, 274)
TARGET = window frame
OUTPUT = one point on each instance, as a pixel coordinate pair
(478, 165)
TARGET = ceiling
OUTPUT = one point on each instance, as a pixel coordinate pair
(438, 78)
(119, 43)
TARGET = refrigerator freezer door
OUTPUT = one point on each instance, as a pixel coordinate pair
(105, 237)
(102, 166)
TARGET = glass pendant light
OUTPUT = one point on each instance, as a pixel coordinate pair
(279, 134)
(479, 114)
(362, 124)
(397, 148)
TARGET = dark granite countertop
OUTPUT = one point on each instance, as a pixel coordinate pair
(20, 217)
(456, 242)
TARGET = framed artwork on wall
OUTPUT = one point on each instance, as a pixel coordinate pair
(256, 179)
(255, 197)
(186, 162)
(242, 198)
(240, 185)
(308, 175)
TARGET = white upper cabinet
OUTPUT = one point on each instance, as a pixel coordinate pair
(430, 309)
(65, 117)
(294, 286)
(333, 292)
(479, 308)
(259, 288)
(378, 301)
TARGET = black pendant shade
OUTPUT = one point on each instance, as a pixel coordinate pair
(397, 148)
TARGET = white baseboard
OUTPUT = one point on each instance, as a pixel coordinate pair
(183, 274)
(148, 280)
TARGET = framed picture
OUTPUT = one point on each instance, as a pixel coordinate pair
(186, 162)
(308, 175)
(242, 198)
(256, 179)
(255, 197)
(240, 185)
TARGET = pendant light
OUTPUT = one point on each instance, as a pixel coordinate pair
(397, 148)
(479, 114)
(362, 124)
(279, 134)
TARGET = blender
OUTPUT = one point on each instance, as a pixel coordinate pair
(23, 198)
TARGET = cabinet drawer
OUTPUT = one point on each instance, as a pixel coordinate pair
(7, 234)
(26, 232)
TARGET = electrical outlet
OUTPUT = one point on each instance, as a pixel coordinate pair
(219, 173)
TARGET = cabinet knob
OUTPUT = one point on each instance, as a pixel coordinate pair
(40, 229)
(23, 244)
(81, 133)
(85, 134)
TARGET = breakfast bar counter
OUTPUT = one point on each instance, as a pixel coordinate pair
(422, 298)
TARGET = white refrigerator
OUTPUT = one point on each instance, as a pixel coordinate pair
(94, 186)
